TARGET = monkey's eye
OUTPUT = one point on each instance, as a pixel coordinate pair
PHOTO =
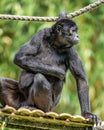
(72, 30)
(70, 34)
(66, 32)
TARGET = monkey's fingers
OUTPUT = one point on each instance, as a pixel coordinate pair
(92, 118)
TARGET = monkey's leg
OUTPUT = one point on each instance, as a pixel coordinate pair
(56, 93)
(40, 94)
(9, 93)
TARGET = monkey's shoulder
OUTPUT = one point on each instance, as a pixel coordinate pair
(41, 35)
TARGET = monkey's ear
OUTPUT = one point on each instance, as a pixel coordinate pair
(62, 15)
(59, 28)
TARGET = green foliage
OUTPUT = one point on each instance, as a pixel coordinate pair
(13, 34)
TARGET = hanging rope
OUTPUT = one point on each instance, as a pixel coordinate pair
(52, 19)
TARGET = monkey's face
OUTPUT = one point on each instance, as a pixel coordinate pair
(66, 34)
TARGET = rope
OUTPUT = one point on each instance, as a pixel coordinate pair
(52, 19)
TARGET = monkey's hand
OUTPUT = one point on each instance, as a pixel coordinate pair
(92, 118)
(56, 72)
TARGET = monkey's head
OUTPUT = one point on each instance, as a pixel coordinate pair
(65, 32)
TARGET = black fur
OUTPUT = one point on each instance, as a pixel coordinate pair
(45, 60)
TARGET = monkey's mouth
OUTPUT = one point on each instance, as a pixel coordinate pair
(65, 46)
(76, 41)
(73, 41)
(69, 45)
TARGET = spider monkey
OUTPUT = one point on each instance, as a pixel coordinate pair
(45, 60)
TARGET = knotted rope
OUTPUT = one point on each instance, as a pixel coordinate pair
(52, 19)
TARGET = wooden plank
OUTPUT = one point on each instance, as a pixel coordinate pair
(36, 119)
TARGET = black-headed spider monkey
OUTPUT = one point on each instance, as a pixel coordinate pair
(45, 60)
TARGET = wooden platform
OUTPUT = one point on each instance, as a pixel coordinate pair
(38, 120)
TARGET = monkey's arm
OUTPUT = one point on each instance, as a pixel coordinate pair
(77, 70)
(26, 59)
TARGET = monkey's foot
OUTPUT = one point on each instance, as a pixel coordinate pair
(29, 107)
(92, 118)
(25, 105)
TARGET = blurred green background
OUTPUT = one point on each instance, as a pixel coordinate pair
(13, 34)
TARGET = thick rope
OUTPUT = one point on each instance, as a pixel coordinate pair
(52, 19)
